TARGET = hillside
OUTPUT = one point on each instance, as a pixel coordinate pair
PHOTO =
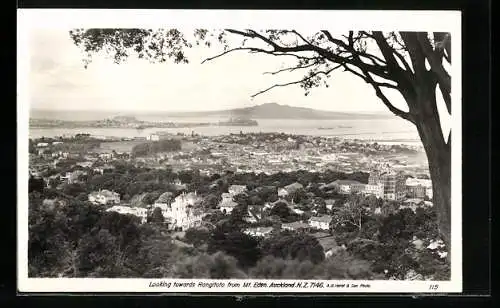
(278, 111)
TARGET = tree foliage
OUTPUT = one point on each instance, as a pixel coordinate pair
(290, 245)
(149, 148)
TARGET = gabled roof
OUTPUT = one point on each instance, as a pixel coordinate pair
(260, 229)
(228, 203)
(296, 225)
(324, 218)
(165, 197)
(293, 186)
(346, 182)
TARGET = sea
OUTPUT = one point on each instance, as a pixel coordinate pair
(384, 131)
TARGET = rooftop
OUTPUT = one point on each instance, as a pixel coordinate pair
(324, 218)
(295, 225)
(346, 182)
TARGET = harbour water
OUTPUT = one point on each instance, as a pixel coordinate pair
(394, 130)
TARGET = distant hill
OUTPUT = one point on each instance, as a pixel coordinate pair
(277, 111)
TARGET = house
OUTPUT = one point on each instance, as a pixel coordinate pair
(348, 186)
(236, 189)
(182, 212)
(428, 203)
(142, 213)
(297, 211)
(259, 231)
(104, 168)
(295, 226)
(254, 214)
(153, 137)
(52, 203)
(289, 189)
(227, 205)
(104, 197)
(104, 154)
(320, 222)
(73, 177)
(416, 191)
(84, 164)
(282, 193)
(293, 187)
(42, 145)
(330, 203)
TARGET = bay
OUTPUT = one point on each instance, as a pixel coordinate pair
(394, 131)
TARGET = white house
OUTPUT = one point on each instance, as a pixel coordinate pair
(294, 226)
(182, 212)
(254, 213)
(236, 189)
(104, 197)
(73, 177)
(103, 168)
(227, 205)
(153, 137)
(142, 213)
(298, 211)
(330, 203)
(320, 222)
(42, 145)
(282, 193)
(259, 231)
(106, 156)
(84, 164)
(348, 186)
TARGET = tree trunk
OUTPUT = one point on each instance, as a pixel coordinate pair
(439, 158)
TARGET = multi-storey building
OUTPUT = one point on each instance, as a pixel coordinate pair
(182, 212)
(376, 190)
(419, 188)
(104, 197)
(393, 184)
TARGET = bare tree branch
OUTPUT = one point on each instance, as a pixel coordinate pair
(235, 49)
(260, 50)
(380, 94)
(375, 69)
(350, 47)
(290, 69)
(297, 81)
(367, 80)
(389, 56)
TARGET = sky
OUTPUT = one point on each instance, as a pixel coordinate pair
(59, 81)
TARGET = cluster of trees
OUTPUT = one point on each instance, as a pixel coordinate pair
(149, 148)
(80, 144)
(128, 181)
(80, 240)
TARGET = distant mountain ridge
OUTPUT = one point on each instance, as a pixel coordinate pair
(263, 111)
(278, 111)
